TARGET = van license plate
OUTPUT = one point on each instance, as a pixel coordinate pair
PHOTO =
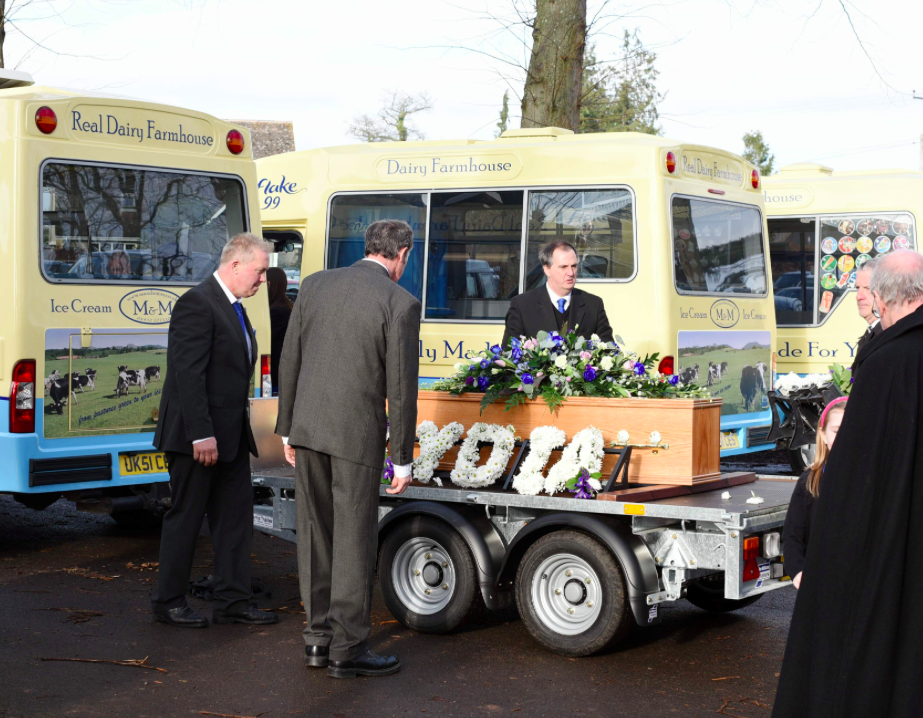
(730, 440)
(152, 462)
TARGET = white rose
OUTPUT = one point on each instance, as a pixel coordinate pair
(461, 366)
(561, 362)
(606, 363)
(622, 437)
(494, 371)
(595, 338)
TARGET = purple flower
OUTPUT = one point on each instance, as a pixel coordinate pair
(615, 348)
(388, 472)
(484, 363)
(469, 381)
(556, 338)
(495, 349)
(482, 383)
(674, 380)
(639, 369)
(527, 378)
(852, 379)
(517, 353)
(583, 489)
(589, 374)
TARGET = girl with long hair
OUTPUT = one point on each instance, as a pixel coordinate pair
(803, 506)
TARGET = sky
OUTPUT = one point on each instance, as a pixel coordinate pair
(792, 69)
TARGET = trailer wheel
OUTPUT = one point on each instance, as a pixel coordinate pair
(571, 594)
(707, 593)
(428, 576)
(801, 458)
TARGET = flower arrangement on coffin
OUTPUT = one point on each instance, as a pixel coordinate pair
(555, 367)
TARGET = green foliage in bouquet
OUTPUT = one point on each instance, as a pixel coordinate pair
(841, 376)
(554, 367)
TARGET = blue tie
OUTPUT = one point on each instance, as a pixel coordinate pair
(243, 325)
(561, 303)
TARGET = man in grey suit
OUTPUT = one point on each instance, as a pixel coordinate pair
(352, 342)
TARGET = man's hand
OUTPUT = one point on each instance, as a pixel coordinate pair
(206, 452)
(398, 485)
(797, 580)
(289, 454)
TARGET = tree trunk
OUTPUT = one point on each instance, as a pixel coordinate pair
(551, 97)
(2, 30)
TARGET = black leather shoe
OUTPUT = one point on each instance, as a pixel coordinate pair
(182, 616)
(250, 615)
(368, 664)
(316, 656)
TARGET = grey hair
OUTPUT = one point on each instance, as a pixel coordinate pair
(898, 277)
(869, 266)
(242, 247)
(546, 253)
(387, 237)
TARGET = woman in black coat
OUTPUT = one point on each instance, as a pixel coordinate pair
(803, 507)
(280, 310)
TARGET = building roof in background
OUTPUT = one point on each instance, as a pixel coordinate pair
(269, 138)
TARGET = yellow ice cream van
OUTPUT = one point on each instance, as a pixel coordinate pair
(823, 226)
(112, 208)
(671, 236)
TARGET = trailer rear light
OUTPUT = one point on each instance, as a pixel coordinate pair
(235, 142)
(265, 375)
(46, 120)
(755, 179)
(671, 162)
(751, 551)
(666, 366)
(772, 545)
(22, 398)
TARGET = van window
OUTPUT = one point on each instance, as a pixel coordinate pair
(599, 223)
(717, 247)
(475, 245)
(124, 224)
(351, 215)
(792, 248)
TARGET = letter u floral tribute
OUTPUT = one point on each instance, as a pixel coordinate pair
(555, 367)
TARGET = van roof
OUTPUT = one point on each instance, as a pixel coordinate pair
(814, 170)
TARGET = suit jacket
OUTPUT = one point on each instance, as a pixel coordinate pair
(352, 343)
(863, 341)
(207, 387)
(533, 312)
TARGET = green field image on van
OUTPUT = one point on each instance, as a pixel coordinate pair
(101, 408)
(729, 386)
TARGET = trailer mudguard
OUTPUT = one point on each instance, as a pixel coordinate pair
(630, 551)
(483, 541)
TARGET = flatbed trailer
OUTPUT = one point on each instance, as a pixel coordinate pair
(581, 572)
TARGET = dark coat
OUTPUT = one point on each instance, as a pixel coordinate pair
(866, 337)
(801, 511)
(278, 325)
(352, 343)
(533, 312)
(207, 387)
(855, 646)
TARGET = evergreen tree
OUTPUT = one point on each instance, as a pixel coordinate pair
(756, 151)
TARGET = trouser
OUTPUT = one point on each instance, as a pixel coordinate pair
(224, 493)
(337, 505)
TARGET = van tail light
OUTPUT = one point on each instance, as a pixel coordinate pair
(46, 120)
(265, 375)
(751, 551)
(22, 398)
(671, 162)
(755, 179)
(235, 142)
(666, 366)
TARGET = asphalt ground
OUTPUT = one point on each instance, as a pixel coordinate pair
(76, 586)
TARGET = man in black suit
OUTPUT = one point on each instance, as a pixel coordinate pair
(204, 429)
(352, 343)
(558, 303)
(866, 306)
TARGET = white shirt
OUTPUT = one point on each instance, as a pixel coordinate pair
(555, 298)
(400, 470)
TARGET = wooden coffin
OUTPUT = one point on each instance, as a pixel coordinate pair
(690, 427)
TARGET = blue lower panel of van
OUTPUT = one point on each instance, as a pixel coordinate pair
(751, 429)
(33, 464)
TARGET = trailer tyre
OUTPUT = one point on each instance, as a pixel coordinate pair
(801, 458)
(428, 576)
(707, 593)
(571, 594)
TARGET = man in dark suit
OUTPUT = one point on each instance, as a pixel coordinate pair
(352, 343)
(866, 306)
(204, 429)
(558, 303)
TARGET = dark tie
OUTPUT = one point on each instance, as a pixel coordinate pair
(243, 325)
(561, 303)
